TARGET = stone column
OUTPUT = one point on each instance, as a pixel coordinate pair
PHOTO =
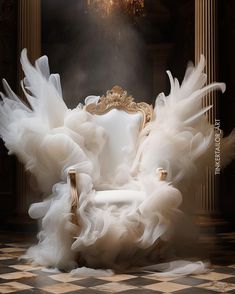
(29, 36)
(206, 43)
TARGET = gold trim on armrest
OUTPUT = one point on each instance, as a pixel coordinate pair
(74, 196)
(161, 173)
(119, 99)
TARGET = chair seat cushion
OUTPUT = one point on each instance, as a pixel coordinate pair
(118, 197)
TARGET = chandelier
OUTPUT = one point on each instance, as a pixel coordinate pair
(107, 7)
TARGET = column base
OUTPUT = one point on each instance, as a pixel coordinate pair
(20, 223)
(212, 223)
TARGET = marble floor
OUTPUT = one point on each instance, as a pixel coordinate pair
(18, 277)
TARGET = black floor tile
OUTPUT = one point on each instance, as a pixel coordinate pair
(8, 262)
(139, 281)
(89, 282)
(38, 281)
(191, 281)
(195, 291)
(140, 291)
(6, 270)
(229, 280)
(88, 291)
(226, 270)
(32, 291)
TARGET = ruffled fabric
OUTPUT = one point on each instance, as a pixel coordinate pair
(51, 139)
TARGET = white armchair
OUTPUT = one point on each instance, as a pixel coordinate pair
(123, 120)
(128, 165)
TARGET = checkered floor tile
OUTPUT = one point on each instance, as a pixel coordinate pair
(18, 277)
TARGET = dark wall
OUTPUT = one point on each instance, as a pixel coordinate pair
(92, 53)
(8, 70)
(184, 27)
(226, 18)
(166, 21)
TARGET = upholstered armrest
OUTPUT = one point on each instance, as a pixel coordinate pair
(161, 173)
(74, 195)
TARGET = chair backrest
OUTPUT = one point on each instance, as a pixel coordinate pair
(122, 118)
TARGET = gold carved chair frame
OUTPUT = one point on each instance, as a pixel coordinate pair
(119, 99)
(116, 98)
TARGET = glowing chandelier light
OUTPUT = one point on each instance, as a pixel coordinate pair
(107, 7)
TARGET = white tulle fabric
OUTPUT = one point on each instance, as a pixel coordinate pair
(118, 230)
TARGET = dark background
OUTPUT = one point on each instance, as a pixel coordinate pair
(93, 53)
(92, 56)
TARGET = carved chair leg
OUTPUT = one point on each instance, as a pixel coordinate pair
(74, 196)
